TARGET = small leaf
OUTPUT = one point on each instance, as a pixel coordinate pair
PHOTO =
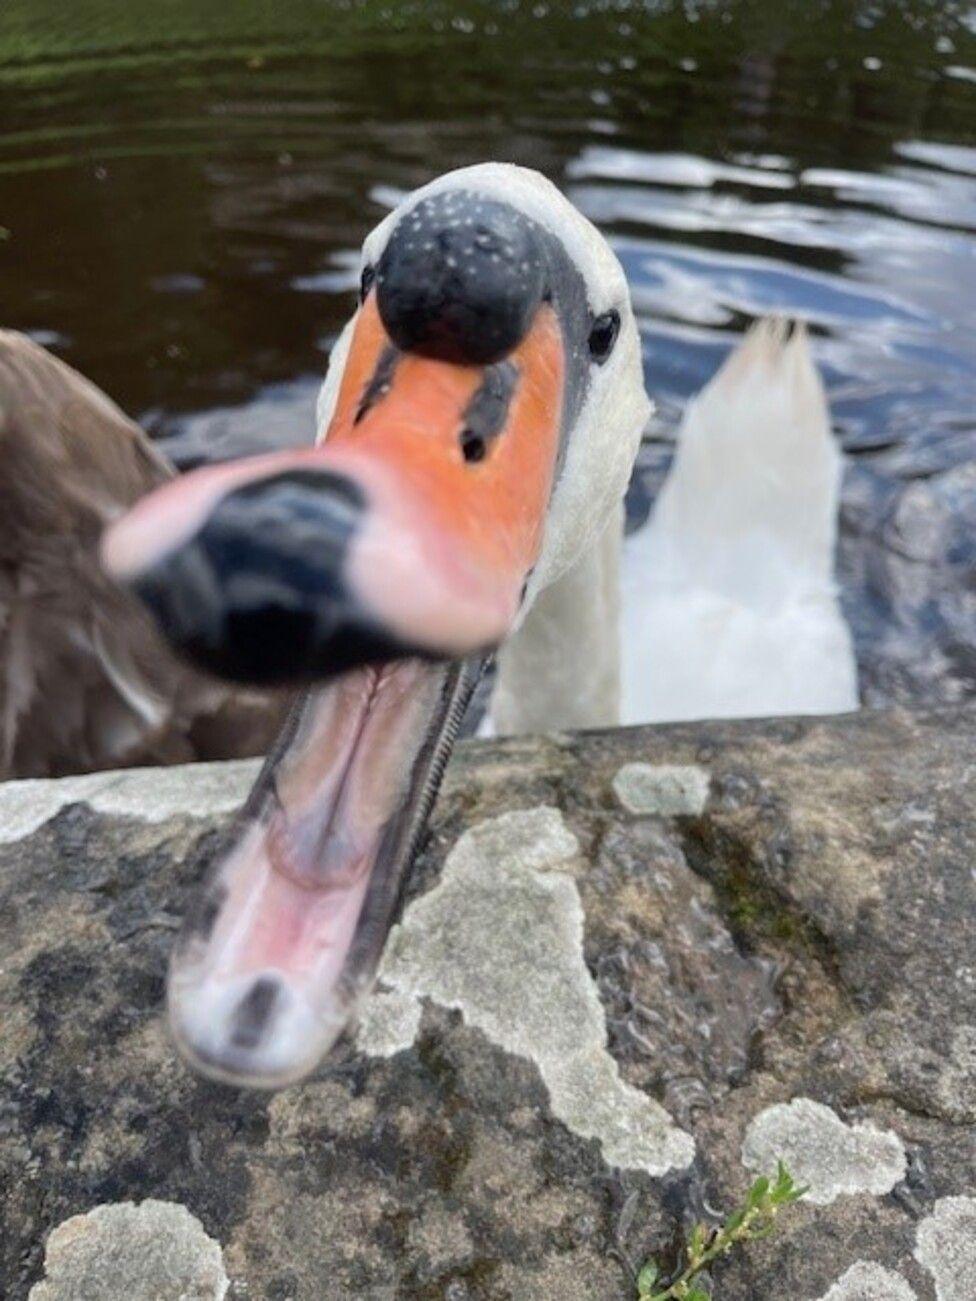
(787, 1198)
(758, 1191)
(734, 1221)
(698, 1295)
(647, 1278)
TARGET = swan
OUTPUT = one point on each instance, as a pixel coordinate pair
(476, 432)
(477, 428)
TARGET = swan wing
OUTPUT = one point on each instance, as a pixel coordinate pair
(84, 680)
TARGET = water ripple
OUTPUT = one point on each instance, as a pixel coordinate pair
(183, 195)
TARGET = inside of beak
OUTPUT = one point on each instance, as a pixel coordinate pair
(290, 925)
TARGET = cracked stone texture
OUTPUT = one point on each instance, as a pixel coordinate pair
(500, 938)
(807, 935)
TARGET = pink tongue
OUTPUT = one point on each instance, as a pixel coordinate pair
(261, 996)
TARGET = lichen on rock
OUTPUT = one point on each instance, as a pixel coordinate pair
(827, 1157)
(500, 938)
(572, 981)
(151, 1251)
(867, 1281)
(664, 789)
(946, 1245)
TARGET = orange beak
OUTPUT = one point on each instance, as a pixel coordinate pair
(461, 460)
(379, 565)
(409, 530)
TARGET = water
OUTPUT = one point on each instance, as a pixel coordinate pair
(183, 196)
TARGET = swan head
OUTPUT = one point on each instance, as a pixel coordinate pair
(477, 427)
(568, 267)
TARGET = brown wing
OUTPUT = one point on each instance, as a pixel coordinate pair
(85, 681)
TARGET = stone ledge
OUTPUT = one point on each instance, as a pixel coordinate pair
(806, 935)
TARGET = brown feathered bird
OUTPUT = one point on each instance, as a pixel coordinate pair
(86, 682)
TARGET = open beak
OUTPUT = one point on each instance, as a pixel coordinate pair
(285, 937)
(382, 566)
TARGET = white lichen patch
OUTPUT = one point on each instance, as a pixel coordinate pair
(388, 1023)
(152, 794)
(663, 789)
(155, 1251)
(821, 1152)
(957, 1078)
(500, 938)
(946, 1245)
(867, 1281)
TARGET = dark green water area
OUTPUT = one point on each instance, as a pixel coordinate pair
(184, 185)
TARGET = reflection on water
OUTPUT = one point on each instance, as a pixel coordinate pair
(182, 196)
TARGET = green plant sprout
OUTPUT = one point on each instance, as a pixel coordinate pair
(754, 1219)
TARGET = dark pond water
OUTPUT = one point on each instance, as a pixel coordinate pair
(182, 197)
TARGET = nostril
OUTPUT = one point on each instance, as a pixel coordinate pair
(473, 446)
(253, 1013)
(487, 412)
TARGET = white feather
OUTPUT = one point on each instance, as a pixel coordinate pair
(730, 607)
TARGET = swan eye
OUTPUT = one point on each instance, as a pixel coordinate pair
(366, 282)
(603, 335)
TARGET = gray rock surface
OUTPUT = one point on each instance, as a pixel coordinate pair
(806, 935)
(946, 1245)
(666, 789)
